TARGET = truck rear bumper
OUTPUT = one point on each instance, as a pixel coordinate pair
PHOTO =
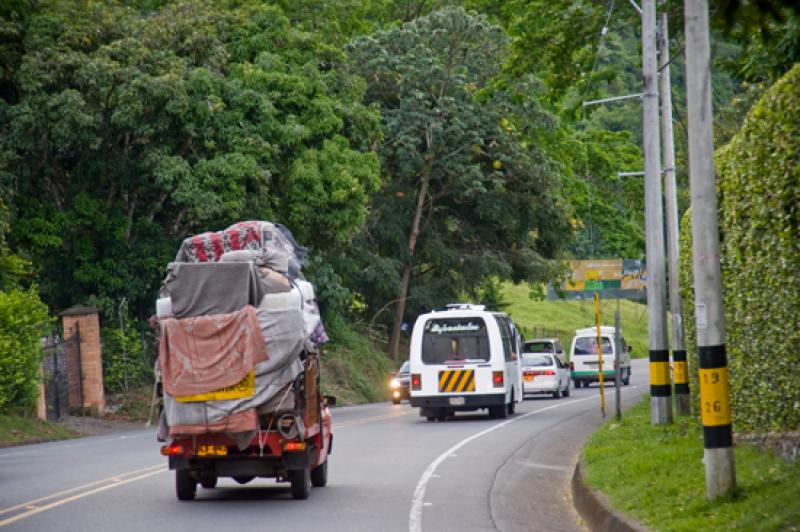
(232, 466)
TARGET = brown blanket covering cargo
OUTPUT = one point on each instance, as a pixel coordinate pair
(207, 353)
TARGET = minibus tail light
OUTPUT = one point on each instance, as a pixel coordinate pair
(497, 379)
(416, 381)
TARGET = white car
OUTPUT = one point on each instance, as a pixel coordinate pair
(544, 373)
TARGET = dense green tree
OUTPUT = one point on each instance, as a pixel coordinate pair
(124, 130)
(466, 199)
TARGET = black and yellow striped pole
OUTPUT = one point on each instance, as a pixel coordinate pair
(709, 311)
(680, 378)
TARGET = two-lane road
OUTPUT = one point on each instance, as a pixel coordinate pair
(390, 470)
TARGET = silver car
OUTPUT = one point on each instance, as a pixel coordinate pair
(544, 373)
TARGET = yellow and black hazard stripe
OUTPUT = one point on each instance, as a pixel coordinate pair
(660, 385)
(715, 397)
(457, 380)
(680, 372)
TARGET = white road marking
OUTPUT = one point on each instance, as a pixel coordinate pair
(543, 466)
(417, 501)
(66, 444)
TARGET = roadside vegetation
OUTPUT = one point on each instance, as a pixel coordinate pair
(20, 429)
(655, 474)
(560, 318)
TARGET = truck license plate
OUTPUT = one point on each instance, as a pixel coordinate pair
(212, 450)
(456, 401)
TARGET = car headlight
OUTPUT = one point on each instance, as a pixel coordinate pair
(394, 383)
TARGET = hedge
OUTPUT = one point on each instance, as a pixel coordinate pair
(22, 323)
(759, 190)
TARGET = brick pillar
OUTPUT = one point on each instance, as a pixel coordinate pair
(41, 404)
(85, 322)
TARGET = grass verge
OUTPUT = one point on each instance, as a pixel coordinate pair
(655, 474)
(354, 368)
(562, 317)
(16, 430)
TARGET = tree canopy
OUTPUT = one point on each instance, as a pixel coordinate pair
(125, 130)
(466, 198)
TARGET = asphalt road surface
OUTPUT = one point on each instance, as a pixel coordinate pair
(390, 470)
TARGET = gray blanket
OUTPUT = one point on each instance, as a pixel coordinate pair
(204, 288)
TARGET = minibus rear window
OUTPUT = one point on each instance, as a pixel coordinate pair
(587, 345)
(455, 340)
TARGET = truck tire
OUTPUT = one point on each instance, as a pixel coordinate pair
(301, 483)
(319, 475)
(185, 485)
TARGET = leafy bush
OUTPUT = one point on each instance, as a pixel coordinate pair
(759, 189)
(22, 321)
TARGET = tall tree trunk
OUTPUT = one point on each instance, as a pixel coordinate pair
(400, 307)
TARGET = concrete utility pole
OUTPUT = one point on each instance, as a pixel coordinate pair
(709, 317)
(679, 367)
(660, 387)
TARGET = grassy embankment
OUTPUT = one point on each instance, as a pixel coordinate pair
(355, 367)
(16, 430)
(561, 318)
(655, 474)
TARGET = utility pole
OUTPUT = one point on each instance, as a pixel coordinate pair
(709, 316)
(680, 367)
(660, 386)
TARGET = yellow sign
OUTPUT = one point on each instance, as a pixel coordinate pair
(245, 388)
(593, 275)
(714, 397)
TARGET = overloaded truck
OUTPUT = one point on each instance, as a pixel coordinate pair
(238, 367)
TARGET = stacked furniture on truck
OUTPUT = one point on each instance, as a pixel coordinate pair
(238, 364)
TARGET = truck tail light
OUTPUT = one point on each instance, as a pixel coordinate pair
(497, 379)
(294, 446)
(416, 381)
(172, 450)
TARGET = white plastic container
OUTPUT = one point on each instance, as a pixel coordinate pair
(164, 307)
(281, 300)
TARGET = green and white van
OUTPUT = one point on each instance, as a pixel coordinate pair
(584, 360)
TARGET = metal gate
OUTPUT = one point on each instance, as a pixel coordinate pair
(63, 381)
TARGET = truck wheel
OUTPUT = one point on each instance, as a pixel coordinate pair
(185, 485)
(319, 475)
(301, 482)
